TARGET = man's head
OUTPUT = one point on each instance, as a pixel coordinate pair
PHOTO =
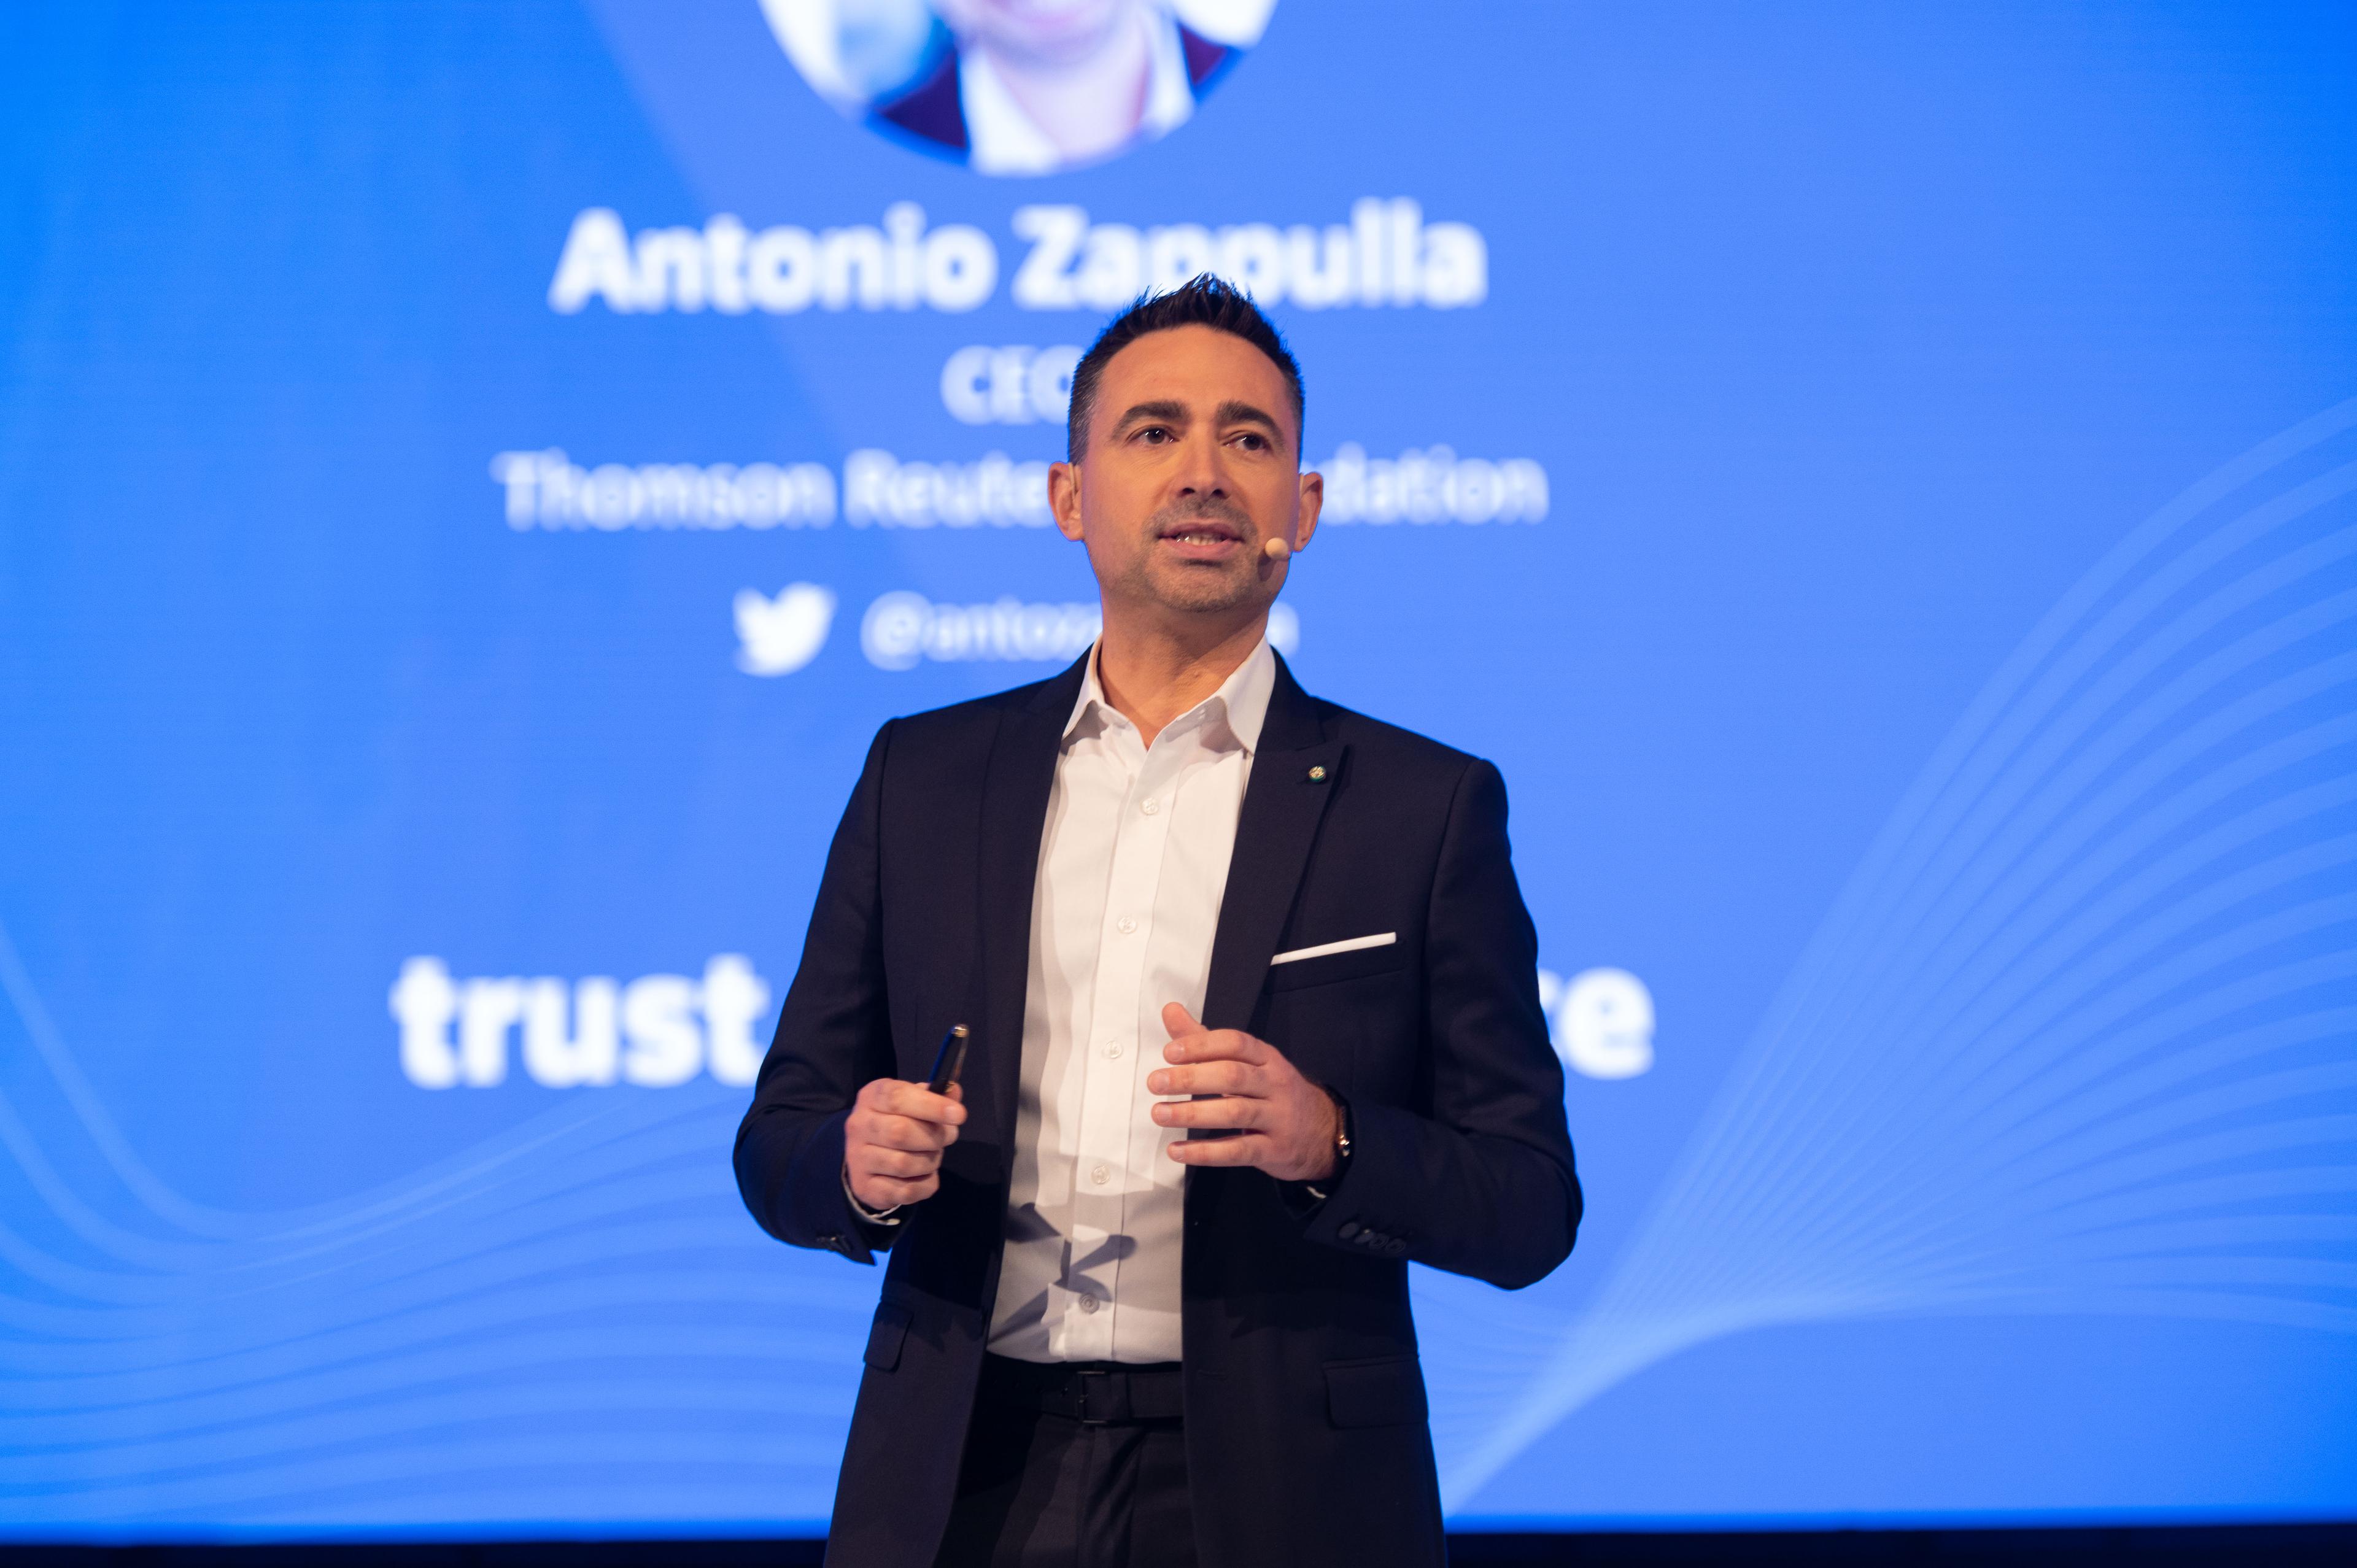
(1204, 301)
(1185, 448)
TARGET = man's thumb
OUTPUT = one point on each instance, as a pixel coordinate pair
(1178, 1021)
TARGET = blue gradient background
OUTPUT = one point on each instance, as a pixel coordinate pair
(1933, 677)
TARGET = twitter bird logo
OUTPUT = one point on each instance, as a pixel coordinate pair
(780, 636)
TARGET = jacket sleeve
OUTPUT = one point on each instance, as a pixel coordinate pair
(1485, 1186)
(833, 1036)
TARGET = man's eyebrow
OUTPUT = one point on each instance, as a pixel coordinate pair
(1165, 410)
(1237, 412)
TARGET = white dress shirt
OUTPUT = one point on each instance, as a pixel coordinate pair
(1002, 139)
(1133, 861)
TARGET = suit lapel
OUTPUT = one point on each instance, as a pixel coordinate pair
(1294, 772)
(1017, 782)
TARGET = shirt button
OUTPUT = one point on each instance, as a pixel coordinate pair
(1087, 1303)
(1113, 1050)
(1153, 804)
(1125, 925)
(1100, 1175)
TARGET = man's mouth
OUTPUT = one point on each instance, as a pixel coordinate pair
(1201, 536)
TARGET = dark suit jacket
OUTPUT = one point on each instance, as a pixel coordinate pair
(1307, 1439)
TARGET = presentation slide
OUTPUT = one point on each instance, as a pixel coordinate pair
(1875, 479)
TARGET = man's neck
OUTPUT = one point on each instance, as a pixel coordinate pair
(1152, 673)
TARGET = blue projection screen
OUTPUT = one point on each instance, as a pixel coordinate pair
(1875, 477)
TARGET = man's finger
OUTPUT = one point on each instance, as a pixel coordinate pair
(1244, 1149)
(1228, 1077)
(1217, 1045)
(1222, 1112)
(916, 1101)
(907, 1132)
(877, 1160)
(1178, 1021)
(893, 1192)
(885, 1160)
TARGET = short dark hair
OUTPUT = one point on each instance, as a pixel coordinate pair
(1204, 300)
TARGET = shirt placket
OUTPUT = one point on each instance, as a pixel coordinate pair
(1102, 1178)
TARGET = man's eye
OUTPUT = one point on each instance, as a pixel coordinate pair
(1253, 440)
(1155, 433)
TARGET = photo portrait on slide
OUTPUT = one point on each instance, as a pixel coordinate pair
(1017, 87)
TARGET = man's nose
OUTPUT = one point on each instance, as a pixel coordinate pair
(1203, 470)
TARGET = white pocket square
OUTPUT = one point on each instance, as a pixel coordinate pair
(1351, 945)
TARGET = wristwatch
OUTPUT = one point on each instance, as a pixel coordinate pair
(1341, 1143)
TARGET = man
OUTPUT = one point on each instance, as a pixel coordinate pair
(1256, 1021)
(1027, 89)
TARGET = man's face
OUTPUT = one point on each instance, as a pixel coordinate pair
(1192, 465)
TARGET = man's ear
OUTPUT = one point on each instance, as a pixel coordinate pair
(1064, 497)
(1313, 500)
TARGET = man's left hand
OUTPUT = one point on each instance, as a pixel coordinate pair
(1285, 1125)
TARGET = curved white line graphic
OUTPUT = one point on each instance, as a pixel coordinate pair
(2074, 1037)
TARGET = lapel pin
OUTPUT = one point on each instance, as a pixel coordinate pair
(1317, 774)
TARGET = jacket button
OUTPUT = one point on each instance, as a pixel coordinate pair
(1348, 1228)
(1395, 1248)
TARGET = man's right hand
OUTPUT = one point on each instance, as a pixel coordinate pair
(892, 1144)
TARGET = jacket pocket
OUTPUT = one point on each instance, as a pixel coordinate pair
(884, 1338)
(1385, 1392)
(1326, 968)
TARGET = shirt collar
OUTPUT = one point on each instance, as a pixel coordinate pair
(1242, 700)
(1002, 139)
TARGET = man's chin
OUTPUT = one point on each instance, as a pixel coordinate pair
(1056, 35)
(1197, 591)
(1228, 605)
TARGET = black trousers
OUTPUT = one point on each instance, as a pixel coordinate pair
(1074, 1465)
